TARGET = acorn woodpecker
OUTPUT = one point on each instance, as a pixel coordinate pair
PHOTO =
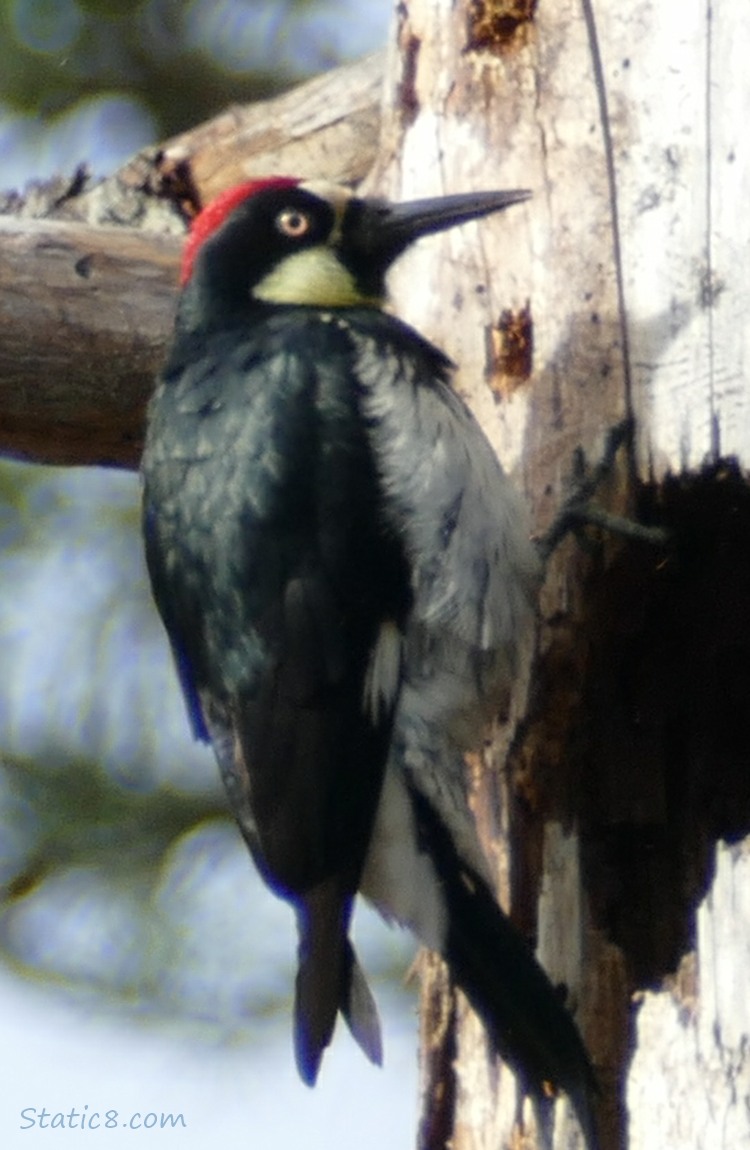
(346, 577)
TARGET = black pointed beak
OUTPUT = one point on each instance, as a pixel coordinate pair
(381, 231)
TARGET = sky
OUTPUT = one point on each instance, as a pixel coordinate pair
(66, 1060)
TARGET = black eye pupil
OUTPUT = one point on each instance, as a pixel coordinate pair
(292, 222)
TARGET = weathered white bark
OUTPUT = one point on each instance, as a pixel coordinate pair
(679, 92)
(632, 263)
(689, 1084)
(514, 117)
(525, 116)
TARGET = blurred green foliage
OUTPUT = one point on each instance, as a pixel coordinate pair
(182, 59)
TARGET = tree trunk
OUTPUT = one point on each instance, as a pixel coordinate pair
(620, 291)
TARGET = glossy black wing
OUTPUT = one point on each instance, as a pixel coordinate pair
(275, 572)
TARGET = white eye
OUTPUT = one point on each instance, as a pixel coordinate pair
(293, 223)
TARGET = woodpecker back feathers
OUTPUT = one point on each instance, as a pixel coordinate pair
(346, 578)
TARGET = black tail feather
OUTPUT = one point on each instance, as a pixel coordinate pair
(489, 960)
(329, 980)
(323, 922)
(526, 1020)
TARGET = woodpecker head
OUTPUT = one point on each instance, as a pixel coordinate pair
(282, 241)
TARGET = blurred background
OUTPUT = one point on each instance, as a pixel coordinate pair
(144, 970)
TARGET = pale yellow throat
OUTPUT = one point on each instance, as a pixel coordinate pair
(313, 277)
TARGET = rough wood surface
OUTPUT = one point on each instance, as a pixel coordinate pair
(624, 277)
(326, 128)
(689, 1084)
(507, 115)
(679, 95)
(84, 313)
(86, 298)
